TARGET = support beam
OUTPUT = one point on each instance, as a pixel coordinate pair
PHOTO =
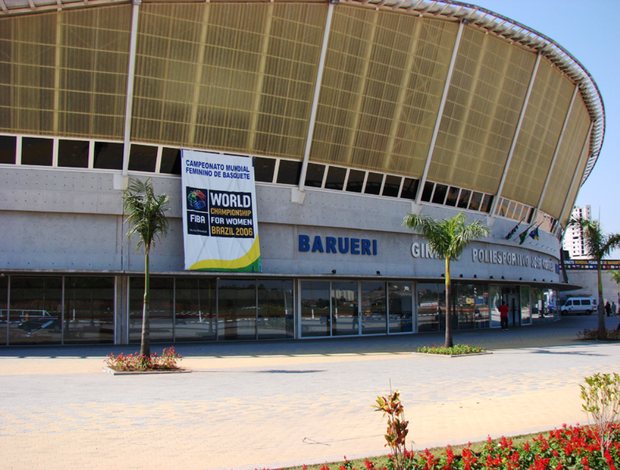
(131, 75)
(442, 105)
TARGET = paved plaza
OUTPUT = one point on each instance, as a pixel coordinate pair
(275, 404)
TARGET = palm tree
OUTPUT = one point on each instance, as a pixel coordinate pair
(147, 219)
(598, 245)
(447, 239)
(615, 277)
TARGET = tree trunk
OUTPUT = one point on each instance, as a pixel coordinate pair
(145, 341)
(448, 343)
(601, 307)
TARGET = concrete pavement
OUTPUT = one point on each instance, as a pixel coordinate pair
(276, 404)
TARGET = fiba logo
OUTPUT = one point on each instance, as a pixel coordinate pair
(197, 200)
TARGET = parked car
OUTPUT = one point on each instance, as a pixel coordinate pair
(37, 320)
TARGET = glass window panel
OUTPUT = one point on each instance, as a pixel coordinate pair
(236, 309)
(471, 306)
(410, 188)
(428, 191)
(170, 161)
(400, 318)
(275, 309)
(431, 306)
(345, 317)
(4, 291)
(464, 198)
(108, 156)
(315, 309)
(89, 310)
(374, 308)
(495, 300)
(526, 306)
(35, 311)
(502, 207)
(314, 175)
(476, 199)
(373, 183)
(530, 215)
(142, 158)
(355, 182)
(8, 145)
(439, 196)
(161, 305)
(288, 172)
(452, 197)
(194, 318)
(487, 202)
(264, 169)
(511, 209)
(391, 186)
(335, 178)
(73, 153)
(36, 151)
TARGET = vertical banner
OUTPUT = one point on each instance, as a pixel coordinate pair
(220, 225)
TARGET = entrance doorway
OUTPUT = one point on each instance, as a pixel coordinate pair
(511, 296)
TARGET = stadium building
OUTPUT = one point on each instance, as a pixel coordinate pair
(339, 117)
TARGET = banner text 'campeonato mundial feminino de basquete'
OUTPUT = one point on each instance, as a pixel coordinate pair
(220, 225)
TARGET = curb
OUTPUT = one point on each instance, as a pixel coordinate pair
(452, 355)
(144, 372)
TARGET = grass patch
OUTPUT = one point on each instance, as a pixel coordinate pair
(456, 350)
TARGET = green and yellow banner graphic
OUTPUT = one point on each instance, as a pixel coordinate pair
(220, 224)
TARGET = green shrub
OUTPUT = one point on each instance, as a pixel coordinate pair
(601, 395)
(613, 335)
(136, 362)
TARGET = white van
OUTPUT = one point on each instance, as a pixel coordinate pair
(579, 305)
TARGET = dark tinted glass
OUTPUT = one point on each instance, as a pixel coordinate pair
(453, 195)
(486, 203)
(410, 188)
(170, 161)
(73, 153)
(314, 175)
(373, 183)
(464, 198)
(36, 151)
(288, 172)
(263, 169)
(8, 144)
(108, 156)
(335, 178)
(391, 186)
(476, 199)
(439, 196)
(355, 182)
(142, 158)
(428, 191)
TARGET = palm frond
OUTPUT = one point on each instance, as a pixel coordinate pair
(145, 213)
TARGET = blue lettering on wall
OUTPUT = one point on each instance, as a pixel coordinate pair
(330, 245)
(342, 245)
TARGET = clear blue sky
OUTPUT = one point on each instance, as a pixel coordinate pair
(589, 31)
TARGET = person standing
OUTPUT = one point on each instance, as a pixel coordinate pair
(503, 314)
(608, 309)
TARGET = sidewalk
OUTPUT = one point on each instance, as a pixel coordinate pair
(269, 405)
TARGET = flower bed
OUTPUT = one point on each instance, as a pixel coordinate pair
(567, 448)
(456, 350)
(611, 335)
(138, 363)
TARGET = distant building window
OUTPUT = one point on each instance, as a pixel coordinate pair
(170, 161)
(263, 169)
(335, 178)
(373, 183)
(464, 199)
(314, 175)
(474, 203)
(439, 196)
(428, 191)
(355, 183)
(73, 153)
(453, 196)
(37, 151)
(289, 172)
(8, 145)
(108, 156)
(142, 158)
(410, 188)
(391, 187)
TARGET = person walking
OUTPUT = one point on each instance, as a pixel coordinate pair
(503, 314)
(614, 309)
